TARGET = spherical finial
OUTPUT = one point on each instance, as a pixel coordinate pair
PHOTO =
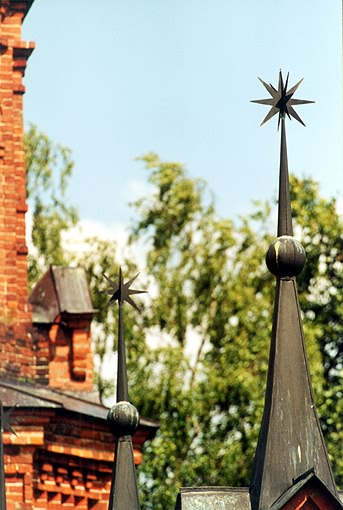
(285, 257)
(123, 419)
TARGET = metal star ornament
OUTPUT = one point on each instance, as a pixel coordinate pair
(121, 291)
(5, 417)
(282, 101)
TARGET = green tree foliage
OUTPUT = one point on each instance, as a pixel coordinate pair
(48, 170)
(198, 352)
(212, 310)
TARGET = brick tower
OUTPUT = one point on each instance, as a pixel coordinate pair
(15, 316)
(62, 455)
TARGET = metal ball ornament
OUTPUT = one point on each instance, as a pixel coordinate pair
(285, 257)
(123, 419)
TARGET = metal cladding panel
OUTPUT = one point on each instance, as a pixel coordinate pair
(44, 300)
(290, 442)
(124, 491)
(72, 290)
(61, 290)
(12, 397)
(213, 498)
(314, 487)
(32, 395)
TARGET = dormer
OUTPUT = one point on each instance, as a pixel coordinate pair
(62, 311)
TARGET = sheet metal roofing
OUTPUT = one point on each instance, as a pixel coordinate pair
(62, 290)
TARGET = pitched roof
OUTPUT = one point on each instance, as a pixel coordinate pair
(25, 395)
(61, 290)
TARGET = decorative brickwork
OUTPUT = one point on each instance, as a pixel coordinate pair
(62, 455)
(57, 463)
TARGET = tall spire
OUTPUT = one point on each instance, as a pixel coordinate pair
(123, 417)
(290, 443)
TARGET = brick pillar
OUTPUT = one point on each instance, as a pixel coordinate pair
(13, 251)
(16, 355)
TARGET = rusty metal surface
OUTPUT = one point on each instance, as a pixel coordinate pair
(213, 498)
(60, 290)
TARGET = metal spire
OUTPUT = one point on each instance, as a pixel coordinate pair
(4, 426)
(290, 441)
(123, 417)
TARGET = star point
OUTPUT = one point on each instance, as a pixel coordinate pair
(5, 417)
(121, 291)
(281, 100)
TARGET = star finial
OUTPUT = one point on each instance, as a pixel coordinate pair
(121, 291)
(282, 101)
(5, 419)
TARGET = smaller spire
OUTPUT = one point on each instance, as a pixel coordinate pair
(123, 417)
(5, 426)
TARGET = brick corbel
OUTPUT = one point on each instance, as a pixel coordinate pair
(3, 43)
(19, 6)
(21, 52)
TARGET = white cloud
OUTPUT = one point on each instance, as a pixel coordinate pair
(339, 206)
(138, 189)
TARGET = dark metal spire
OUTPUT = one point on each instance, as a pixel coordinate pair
(290, 441)
(123, 417)
(4, 426)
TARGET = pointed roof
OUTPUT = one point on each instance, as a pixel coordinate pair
(291, 442)
(123, 417)
(316, 488)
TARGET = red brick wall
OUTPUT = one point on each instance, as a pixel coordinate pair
(71, 357)
(58, 462)
(16, 358)
(13, 251)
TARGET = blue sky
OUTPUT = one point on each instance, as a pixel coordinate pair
(116, 79)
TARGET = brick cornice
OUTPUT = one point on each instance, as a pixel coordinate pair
(8, 7)
(4, 8)
(20, 6)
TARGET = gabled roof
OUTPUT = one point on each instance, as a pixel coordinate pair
(300, 484)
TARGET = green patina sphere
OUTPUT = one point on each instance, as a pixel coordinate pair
(123, 419)
(285, 257)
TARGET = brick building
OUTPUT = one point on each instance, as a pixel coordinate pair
(62, 455)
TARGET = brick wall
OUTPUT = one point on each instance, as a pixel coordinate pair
(13, 251)
(61, 458)
(57, 463)
(16, 357)
(71, 356)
